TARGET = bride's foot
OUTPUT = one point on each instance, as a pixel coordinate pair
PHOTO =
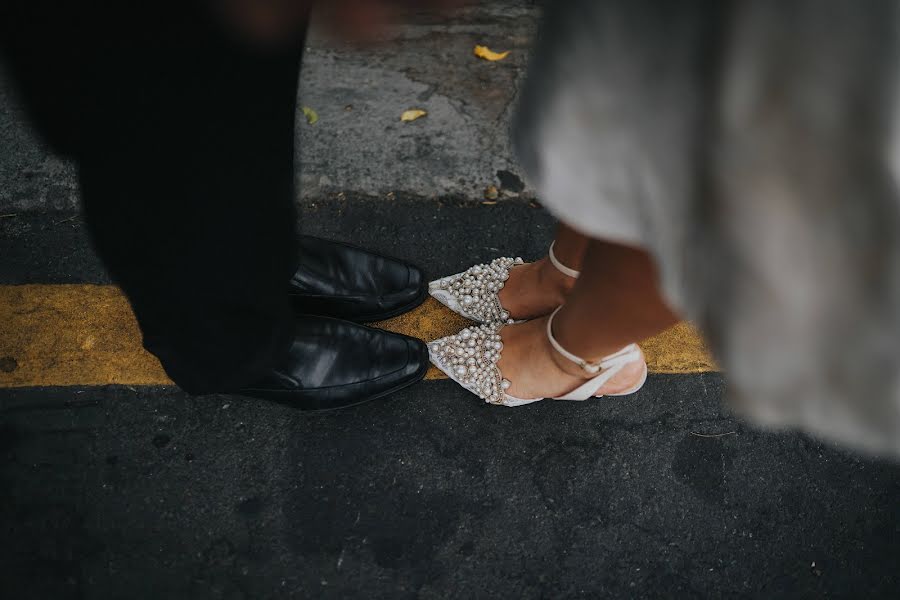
(535, 370)
(518, 364)
(534, 290)
(506, 290)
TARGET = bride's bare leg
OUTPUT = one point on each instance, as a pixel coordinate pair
(615, 302)
(570, 246)
(537, 288)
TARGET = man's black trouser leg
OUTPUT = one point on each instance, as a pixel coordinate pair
(184, 140)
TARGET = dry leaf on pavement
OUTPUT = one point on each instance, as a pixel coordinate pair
(412, 115)
(488, 54)
(312, 117)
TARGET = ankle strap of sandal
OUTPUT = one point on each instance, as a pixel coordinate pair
(561, 267)
(622, 357)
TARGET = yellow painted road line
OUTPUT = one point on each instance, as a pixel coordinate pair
(83, 335)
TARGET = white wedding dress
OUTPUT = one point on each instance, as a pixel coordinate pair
(751, 147)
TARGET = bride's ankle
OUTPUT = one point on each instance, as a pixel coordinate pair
(566, 366)
(562, 364)
(625, 379)
(552, 281)
(569, 366)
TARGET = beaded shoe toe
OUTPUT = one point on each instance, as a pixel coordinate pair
(474, 292)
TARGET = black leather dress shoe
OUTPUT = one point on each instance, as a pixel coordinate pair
(335, 364)
(343, 281)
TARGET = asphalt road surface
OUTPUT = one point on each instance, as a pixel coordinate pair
(121, 491)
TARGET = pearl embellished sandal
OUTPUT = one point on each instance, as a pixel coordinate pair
(470, 359)
(474, 293)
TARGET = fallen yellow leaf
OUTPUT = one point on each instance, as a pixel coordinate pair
(311, 116)
(488, 54)
(412, 115)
